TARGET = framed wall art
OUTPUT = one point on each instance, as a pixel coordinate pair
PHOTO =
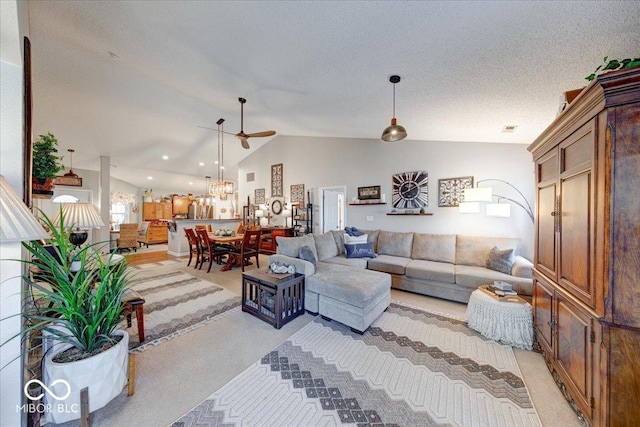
(410, 190)
(369, 193)
(259, 196)
(276, 180)
(297, 194)
(450, 190)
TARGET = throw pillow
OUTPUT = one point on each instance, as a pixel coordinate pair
(307, 254)
(349, 240)
(360, 250)
(500, 260)
(352, 231)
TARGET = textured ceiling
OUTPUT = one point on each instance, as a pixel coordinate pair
(306, 68)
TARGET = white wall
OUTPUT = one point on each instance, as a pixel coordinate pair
(14, 25)
(325, 162)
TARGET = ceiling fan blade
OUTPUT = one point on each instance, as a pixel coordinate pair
(261, 134)
(245, 143)
(223, 131)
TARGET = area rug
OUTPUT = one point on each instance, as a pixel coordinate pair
(410, 368)
(175, 303)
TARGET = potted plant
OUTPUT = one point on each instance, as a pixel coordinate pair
(613, 64)
(45, 164)
(78, 314)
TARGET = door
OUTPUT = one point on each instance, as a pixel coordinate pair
(331, 210)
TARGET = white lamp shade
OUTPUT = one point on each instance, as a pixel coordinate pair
(499, 209)
(263, 222)
(477, 194)
(79, 215)
(286, 213)
(17, 223)
(259, 213)
(469, 207)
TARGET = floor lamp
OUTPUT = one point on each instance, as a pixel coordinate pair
(472, 197)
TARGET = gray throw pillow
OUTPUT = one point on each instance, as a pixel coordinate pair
(307, 254)
(500, 260)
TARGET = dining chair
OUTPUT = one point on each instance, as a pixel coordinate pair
(210, 251)
(128, 237)
(194, 246)
(250, 247)
(201, 227)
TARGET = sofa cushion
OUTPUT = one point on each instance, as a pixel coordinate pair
(473, 250)
(372, 236)
(472, 277)
(434, 247)
(307, 254)
(355, 287)
(290, 246)
(360, 250)
(431, 270)
(325, 246)
(499, 260)
(350, 240)
(349, 262)
(388, 264)
(395, 244)
(338, 236)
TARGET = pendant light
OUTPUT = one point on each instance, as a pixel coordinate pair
(394, 132)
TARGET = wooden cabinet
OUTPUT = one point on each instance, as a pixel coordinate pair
(268, 238)
(156, 210)
(586, 292)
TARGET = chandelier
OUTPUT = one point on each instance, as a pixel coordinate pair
(221, 188)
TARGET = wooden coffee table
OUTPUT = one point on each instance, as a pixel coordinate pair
(275, 300)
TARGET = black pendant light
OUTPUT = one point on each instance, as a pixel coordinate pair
(394, 132)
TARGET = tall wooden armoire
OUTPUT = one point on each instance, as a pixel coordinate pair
(587, 249)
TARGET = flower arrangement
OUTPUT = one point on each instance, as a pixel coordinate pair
(225, 232)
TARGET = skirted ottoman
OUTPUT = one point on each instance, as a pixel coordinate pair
(354, 297)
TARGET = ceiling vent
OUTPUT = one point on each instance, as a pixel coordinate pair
(509, 128)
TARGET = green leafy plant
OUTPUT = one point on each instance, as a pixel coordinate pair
(613, 64)
(45, 162)
(81, 308)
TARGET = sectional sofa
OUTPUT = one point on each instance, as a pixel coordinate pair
(354, 291)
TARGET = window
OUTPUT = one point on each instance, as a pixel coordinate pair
(119, 215)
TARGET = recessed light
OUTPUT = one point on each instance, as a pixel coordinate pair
(509, 128)
(222, 167)
(165, 157)
(190, 183)
(216, 162)
(149, 177)
(201, 164)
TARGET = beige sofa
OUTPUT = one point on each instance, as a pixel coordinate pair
(447, 266)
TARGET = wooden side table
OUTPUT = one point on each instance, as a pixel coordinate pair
(508, 319)
(276, 301)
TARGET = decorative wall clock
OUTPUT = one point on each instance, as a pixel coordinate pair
(410, 190)
(450, 190)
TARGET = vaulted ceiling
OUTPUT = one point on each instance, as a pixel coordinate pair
(134, 79)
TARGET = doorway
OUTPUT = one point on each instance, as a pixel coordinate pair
(333, 208)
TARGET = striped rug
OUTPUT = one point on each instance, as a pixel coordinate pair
(410, 368)
(176, 302)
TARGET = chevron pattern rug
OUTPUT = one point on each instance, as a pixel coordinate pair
(410, 368)
(175, 303)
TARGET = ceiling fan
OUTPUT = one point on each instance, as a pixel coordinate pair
(241, 135)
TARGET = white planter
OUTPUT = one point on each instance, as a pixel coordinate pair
(148, 199)
(105, 375)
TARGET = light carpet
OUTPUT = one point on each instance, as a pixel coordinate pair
(175, 303)
(410, 368)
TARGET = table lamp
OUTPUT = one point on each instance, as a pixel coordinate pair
(81, 217)
(17, 223)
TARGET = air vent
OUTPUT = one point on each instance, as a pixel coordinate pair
(509, 128)
(251, 176)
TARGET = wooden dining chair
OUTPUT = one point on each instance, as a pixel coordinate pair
(250, 247)
(210, 251)
(201, 227)
(194, 246)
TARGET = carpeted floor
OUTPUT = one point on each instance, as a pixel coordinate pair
(410, 368)
(174, 377)
(176, 302)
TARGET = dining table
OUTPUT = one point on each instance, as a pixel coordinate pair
(233, 260)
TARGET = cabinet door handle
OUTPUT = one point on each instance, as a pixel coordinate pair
(554, 213)
(552, 324)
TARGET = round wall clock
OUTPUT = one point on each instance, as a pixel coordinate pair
(410, 190)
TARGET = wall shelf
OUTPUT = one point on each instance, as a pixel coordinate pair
(367, 204)
(402, 213)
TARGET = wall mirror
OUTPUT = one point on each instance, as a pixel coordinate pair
(276, 207)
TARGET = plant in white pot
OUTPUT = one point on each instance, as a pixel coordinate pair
(78, 314)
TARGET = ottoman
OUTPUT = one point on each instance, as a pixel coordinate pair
(354, 297)
(508, 320)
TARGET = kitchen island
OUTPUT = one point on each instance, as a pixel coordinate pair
(178, 244)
